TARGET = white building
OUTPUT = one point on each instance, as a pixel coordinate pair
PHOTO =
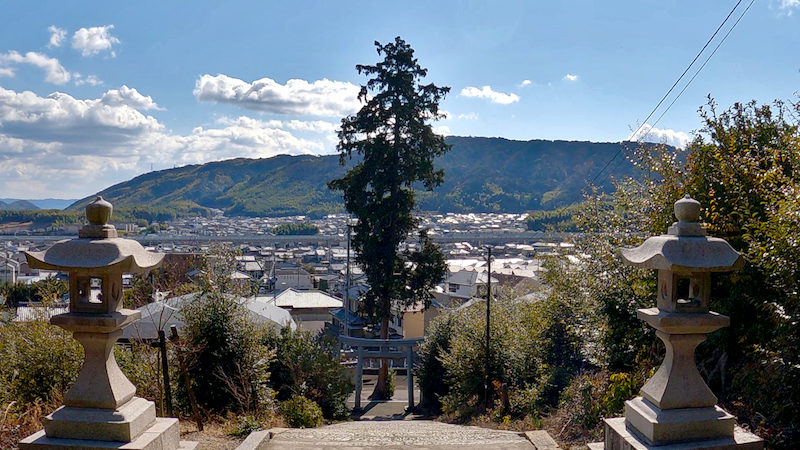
(311, 309)
(466, 284)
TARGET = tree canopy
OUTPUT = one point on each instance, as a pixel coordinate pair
(395, 146)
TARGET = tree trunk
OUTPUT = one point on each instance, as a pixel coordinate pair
(381, 390)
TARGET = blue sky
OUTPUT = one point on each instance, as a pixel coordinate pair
(94, 93)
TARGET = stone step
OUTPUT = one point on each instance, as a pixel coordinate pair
(404, 434)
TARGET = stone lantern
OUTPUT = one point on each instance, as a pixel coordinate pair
(100, 409)
(676, 406)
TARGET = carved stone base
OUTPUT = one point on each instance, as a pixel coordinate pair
(618, 436)
(124, 424)
(164, 434)
(658, 427)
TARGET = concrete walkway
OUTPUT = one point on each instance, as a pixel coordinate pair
(406, 434)
(387, 425)
(394, 409)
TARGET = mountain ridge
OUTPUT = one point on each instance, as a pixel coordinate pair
(481, 175)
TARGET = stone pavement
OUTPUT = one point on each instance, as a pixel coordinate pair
(394, 409)
(406, 434)
(387, 425)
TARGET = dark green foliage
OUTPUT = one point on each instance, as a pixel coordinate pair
(47, 290)
(296, 229)
(559, 219)
(303, 366)
(395, 146)
(42, 218)
(534, 353)
(228, 365)
(39, 361)
(429, 368)
(300, 412)
(19, 292)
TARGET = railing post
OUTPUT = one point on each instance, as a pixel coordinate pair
(359, 371)
(410, 376)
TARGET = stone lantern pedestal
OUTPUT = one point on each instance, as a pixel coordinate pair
(676, 409)
(100, 409)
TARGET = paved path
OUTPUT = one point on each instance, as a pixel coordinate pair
(394, 409)
(406, 434)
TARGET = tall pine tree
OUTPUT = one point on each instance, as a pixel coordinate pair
(395, 146)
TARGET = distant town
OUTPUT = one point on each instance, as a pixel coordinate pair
(317, 263)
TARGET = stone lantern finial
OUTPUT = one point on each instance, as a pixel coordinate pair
(676, 406)
(687, 209)
(98, 213)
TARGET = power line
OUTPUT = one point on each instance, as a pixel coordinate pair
(690, 80)
(687, 67)
(616, 154)
(701, 67)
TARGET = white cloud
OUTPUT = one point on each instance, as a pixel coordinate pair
(57, 36)
(315, 126)
(661, 136)
(442, 130)
(318, 98)
(242, 137)
(62, 118)
(468, 116)
(526, 83)
(90, 80)
(62, 146)
(788, 6)
(486, 92)
(54, 72)
(130, 97)
(570, 77)
(93, 40)
(6, 72)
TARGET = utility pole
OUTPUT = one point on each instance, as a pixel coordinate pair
(488, 315)
(347, 285)
(162, 345)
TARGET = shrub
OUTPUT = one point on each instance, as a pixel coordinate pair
(429, 370)
(227, 363)
(300, 412)
(533, 354)
(39, 361)
(242, 426)
(390, 383)
(304, 365)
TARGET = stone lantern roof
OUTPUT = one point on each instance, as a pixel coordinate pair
(97, 249)
(685, 247)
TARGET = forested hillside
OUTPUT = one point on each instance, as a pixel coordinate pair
(481, 175)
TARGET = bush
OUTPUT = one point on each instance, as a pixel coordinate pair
(300, 412)
(242, 426)
(429, 368)
(304, 365)
(227, 363)
(533, 355)
(39, 361)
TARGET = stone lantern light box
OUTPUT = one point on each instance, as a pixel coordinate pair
(101, 408)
